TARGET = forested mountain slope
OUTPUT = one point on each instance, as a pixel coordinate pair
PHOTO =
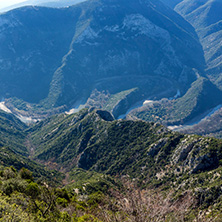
(200, 108)
(58, 57)
(206, 18)
(14, 149)
(91, 139)
(98, 153)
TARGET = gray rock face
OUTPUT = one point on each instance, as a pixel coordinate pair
(183, 150)
(189, 154)
(205, 162)
(155, 148)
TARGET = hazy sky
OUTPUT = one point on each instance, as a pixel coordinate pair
(5, 3)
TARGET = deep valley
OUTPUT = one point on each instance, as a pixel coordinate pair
(111, 110)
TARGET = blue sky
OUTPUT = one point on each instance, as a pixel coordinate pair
(5, 3)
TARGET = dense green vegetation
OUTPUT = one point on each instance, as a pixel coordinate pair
(22, 199)
(95, 197)
(8, 157)
(87, 140)
(109, 170)
(12, 133)
(14, 149)
(205, 16)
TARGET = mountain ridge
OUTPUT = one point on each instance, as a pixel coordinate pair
(95, 153)
(50, 3)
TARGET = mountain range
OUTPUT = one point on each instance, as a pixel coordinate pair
(101, 84)
(138, 48)
(145, 51)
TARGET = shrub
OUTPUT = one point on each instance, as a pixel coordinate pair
(14, 184)
(9, 172)
(26, 174)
